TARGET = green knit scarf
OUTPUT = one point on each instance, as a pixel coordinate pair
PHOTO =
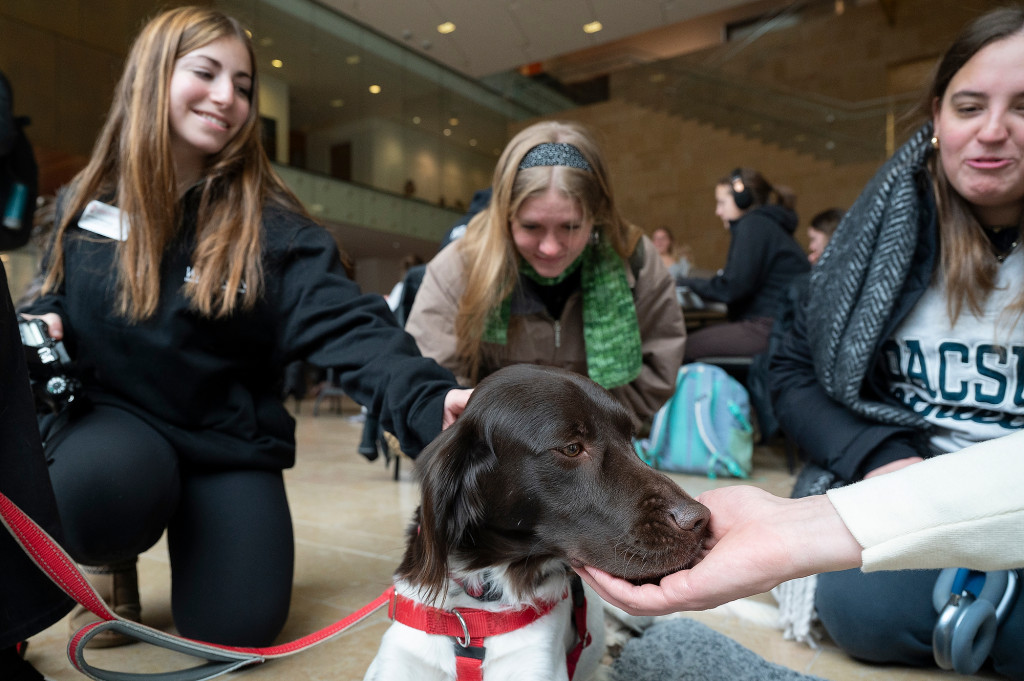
(611, 332)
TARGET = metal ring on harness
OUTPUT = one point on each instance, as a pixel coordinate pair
(464, 642)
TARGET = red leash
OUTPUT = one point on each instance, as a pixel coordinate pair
(63, 571)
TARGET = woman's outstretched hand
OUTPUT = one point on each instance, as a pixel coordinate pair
(757, 541)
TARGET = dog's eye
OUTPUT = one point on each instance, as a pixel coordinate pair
(573, 449)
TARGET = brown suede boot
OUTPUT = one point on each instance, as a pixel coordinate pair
(118, 585)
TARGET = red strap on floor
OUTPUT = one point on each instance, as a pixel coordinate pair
(63, 571)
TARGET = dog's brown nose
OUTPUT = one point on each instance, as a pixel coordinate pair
(692, 516)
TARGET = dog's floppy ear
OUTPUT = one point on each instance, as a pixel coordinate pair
(451, 503)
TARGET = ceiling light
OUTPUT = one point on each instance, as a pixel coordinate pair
(276, 63)
(266, 42)
(446, 28)
(416, 120)
(375, 89)
(447, 132)
(337, 103)
(453, 121)
(592, 27)
(352, 59)
(472, 142)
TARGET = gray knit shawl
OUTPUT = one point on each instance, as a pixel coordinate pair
(859, 278)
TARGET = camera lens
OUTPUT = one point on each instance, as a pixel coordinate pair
(58, 385)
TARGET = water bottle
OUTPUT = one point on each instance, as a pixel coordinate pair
(15, 207)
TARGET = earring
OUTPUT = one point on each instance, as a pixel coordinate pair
(595, 238)
(935, 142)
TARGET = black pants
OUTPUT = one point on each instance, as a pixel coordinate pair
(29, 601)
(119, 484)
(888, 617)
(744, 338)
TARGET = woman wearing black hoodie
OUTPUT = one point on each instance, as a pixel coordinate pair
(764, 260)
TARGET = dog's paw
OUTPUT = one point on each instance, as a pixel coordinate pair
(619, 628)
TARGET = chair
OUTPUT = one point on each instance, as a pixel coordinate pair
(329, 388)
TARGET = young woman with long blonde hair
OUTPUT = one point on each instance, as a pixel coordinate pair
(183, 277)
(550, 273)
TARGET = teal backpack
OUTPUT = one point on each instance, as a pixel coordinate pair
(704, 428)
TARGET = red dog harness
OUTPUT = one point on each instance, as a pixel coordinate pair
(470, 626)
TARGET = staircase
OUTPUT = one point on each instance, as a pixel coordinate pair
(841, 132)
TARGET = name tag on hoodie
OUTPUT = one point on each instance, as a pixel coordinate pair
(105, 220)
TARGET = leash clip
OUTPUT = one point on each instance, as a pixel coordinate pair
(464, 641)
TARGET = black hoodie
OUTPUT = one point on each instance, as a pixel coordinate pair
(764, 259)
(212, 386)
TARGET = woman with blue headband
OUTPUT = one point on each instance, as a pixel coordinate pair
(550, 273)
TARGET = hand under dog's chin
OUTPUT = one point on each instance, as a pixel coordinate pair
(653, 575)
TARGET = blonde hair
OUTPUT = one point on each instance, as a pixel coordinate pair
(490, 256)
(132, 165)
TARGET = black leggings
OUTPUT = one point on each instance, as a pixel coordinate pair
(119, 484)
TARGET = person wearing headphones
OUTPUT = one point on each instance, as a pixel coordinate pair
(763, 261)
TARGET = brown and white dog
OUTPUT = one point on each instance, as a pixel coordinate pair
(538, 474)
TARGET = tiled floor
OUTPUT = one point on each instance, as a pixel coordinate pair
(349, 517)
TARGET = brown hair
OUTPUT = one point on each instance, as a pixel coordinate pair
(827, 220)
(132, 163)
(761, 190)
(965, 251)
(492, 265)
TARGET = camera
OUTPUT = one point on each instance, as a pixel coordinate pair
(48, 366)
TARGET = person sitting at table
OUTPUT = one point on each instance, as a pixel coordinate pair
(677, 264)
(763, 261)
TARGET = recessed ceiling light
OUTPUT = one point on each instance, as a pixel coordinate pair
(352, 59)
(276, 63)
(266, 42)
(472, 142)
(337, 103)
(375, 89)
(416, 120)
(447, 132)
(453, 121)
(446, 28)
(592, 27)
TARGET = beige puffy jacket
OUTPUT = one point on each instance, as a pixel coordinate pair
(536, 338)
